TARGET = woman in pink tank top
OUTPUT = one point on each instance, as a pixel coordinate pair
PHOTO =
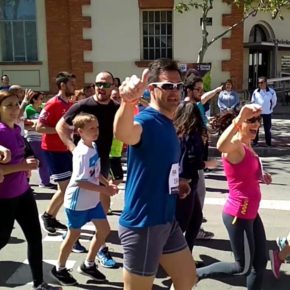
(244, 172)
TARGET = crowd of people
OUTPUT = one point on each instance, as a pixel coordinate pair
(76, 140)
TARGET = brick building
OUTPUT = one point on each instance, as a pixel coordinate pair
(40, 38)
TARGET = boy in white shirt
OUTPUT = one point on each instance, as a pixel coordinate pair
(82, 201)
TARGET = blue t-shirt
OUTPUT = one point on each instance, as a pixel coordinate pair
(147, 198)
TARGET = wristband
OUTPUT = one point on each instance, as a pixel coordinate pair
(236, 126)
(133, 102)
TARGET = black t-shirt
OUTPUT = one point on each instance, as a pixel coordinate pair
(105, 115)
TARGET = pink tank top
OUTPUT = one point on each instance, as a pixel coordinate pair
(244, 189)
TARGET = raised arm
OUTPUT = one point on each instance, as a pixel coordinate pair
(209, 95)
(131, 90)
(228, 142)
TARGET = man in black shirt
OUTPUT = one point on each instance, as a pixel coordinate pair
(101, 106)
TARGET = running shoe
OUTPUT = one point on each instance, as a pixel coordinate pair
(57, 224)
(282, 243)
(105, 259)
(204, 235)
(78, 248)
(275, 263)
(92, 272)
(63, 277)
(47, 223)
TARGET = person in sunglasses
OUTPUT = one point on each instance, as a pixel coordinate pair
(265, 97)
(104, 108)
(244, 171)
(149, 232)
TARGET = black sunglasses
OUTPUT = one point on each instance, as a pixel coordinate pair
(253, 120)
(168, 86)
(104, 85)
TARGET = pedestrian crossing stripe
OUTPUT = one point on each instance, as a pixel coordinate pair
(264, 204)
(87, 233)
(22, 275)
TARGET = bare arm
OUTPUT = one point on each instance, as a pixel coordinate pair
(228, 142)
(64, 132)
(27, 97)
(209, 95)
(23, 166)
(42, 128)
(107, 190)
(125, 129)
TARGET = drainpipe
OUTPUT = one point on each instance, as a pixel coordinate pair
(275, 59)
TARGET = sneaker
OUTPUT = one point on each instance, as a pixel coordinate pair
(58, 225)
(63, 276)
(46, 221)
(199, 264)
(275, 263)
(105, 259)
(282, 243)
(92, 272)
(78, 248)
(45, 286)
(204, 235)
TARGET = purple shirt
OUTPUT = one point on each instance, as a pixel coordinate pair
(14, 184)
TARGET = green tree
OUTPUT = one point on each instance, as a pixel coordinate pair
(251, 8)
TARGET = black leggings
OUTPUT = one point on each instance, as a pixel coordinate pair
(189, 217)
(248, 242)
(23, 209)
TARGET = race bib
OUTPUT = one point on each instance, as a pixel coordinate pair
(174, 179)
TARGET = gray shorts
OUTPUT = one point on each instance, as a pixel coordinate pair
(143, 247)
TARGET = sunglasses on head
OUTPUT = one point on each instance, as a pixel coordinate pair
(104, 85)
(168, 86)
(254, 120)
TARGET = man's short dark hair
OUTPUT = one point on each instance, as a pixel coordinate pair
(161, 65)
(191, 81)
(64, 77)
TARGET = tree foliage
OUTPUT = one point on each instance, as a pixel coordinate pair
(251, 8)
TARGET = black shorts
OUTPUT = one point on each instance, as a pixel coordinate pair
(116, 170)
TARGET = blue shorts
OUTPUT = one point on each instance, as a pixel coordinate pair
(59, 164)
(77, 218)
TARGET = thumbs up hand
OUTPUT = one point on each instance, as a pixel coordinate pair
(132, 89)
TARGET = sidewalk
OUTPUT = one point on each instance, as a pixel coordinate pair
(280, 137)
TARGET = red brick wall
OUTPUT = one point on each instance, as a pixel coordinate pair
(154, 4)
(65, 43)
(234, 42)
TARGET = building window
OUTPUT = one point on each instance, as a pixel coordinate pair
(18, 36)
(157, 34)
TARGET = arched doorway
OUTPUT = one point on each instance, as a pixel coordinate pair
(261, 49)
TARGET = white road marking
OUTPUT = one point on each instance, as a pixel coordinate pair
(265, 204)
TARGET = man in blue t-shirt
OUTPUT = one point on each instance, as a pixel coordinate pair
(148, 230)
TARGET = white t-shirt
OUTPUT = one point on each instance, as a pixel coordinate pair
(86, 167)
